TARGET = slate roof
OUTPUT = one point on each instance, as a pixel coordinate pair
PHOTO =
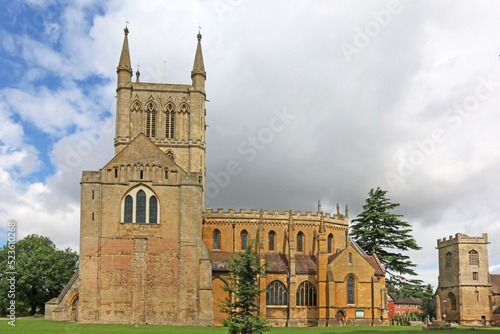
(305, 264)
(495, 283)
(278, 263)
(220, 260)
(403, 299)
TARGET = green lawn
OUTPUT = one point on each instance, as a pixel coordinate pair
(31, 326)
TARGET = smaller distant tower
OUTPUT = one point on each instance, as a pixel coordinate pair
(464, 279)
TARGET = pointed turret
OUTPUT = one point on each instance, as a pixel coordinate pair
(198, 74)
(123, 94)
(124, 68)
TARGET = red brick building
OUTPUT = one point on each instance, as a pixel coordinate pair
(401, 305)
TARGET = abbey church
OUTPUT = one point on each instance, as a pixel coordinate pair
(151, 253)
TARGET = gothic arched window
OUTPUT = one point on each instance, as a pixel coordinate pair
(306, 294)
(350, 291)
(153, 208)
(276, 294)
(150, 120)
(183, 108)
(129, 209)
(244, 235)
(169, 121)
(271, 240)
(300, 242)
(448, 258)
(330, 243)
(216, 239)
(473, 258)
(141, 206)
(453, 301)
(140, 211)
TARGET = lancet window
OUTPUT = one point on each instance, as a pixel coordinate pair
(169, 121)
(150, 120)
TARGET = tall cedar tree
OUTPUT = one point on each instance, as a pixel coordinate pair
(42, 271)
(378, 230)
(241, 305)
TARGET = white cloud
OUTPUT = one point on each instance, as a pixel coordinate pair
(353, 120)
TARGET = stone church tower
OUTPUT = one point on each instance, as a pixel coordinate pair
(142, 257)
(464, 290)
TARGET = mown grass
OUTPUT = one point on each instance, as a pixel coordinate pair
(27, 325)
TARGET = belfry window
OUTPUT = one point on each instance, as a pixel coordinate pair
(150, 120)
(330, 243)
(306, 294)
(276, 294)
(216, 239)
(473, 258)
(272, 235)
(140, 206)
(244, 235)
(300, 242)
(169, 121)
(350, 291)
(448, 258)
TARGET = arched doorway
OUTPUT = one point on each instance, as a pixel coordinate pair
(74, 309)
(219, 295)
(341, 318)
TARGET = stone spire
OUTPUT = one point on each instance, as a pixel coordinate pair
(124, 63)
(198, 74)
(124, 68)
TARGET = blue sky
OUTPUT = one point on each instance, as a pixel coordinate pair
(402, 95)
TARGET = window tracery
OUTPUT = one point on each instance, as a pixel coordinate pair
(276, 294)
(150, 120)
(169, 121)
(140, 206)
(306, 294)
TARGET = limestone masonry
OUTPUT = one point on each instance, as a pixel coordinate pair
(467, 293)
(150, 253)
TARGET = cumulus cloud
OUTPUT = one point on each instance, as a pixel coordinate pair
(390, 107)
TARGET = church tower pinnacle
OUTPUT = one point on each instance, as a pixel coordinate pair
(198, 74)
(124, 68)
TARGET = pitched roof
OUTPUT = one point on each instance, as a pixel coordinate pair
(141, 148)
(400, 299)
(277, 263)
(220, 260)
(495, 283)
(305, 264)
(375, 264)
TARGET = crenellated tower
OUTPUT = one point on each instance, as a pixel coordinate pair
(464, 279)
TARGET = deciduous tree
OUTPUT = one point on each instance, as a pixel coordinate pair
(42, 271)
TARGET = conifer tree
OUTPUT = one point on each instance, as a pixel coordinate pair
(242, 303)
(378, 230)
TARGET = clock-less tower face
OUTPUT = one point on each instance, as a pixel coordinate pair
(172, 116)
